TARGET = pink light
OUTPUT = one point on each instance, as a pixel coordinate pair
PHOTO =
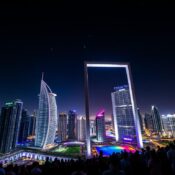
(101, 113)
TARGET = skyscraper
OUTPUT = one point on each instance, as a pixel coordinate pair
(149, 125)
(92, 128)
(62, 127)
(32, 124)
(140, 120)
(71, 124)
(9, 125)
(157, 122)
(24, 127)
(46, 121)
(125, 125)
(81, 128)
(100, 126)
(169, 124)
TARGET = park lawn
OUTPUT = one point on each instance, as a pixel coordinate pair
(68, 150)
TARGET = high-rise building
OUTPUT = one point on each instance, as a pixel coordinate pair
(9, 125)
(149, 124)
(169, 125)
(100, 126)
(24, 127)
(71, 124)
(157, 122)
(62, 127)
(46, 120)
(140, 120)
(81, 128)
(92, 128)
(126, 121)
(32, 124)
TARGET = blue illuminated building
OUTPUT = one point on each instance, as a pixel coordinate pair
(46, 120)
(100, 126)
(123, 114)
(9, 125)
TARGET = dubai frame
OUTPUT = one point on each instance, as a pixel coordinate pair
(126, 66)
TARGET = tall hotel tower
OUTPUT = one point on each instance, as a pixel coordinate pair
(46, 120)
(9, 125)
(125, 127)
(100, 126)
(81, 128)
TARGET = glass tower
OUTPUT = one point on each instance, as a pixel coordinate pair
(81, 128)
(62, 127)
(141, 120)
(24, 127)
(71, 124)
(169, 125)
(46, 120)
(32, 124)
(100, 126)
(9, 125)
(149, 122)
(157, 122)
(124, 124)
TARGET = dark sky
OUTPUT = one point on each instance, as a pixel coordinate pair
(57, 38)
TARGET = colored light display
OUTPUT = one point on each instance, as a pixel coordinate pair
(108, 150)
(101, 113)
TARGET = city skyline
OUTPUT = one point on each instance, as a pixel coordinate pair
(59, 44)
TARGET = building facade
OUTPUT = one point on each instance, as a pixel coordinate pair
(24, 127)
(71, 124)
(81, 128)
(46, 120)
(123, 112)
(9, 125)
(149, 124)
(62, 127)
(157, 121)
(100, 126)
(140, 120)
(32, 124)
(169, 125)
(92, 128)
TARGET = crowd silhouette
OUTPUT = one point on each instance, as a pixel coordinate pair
(146, 162)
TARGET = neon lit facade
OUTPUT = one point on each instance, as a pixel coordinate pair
(132, 96)
(46, 121)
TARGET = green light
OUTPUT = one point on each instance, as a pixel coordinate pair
(9, 103)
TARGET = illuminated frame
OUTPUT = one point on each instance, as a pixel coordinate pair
(132, 95)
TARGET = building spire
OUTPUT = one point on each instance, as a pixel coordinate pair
(42, 76)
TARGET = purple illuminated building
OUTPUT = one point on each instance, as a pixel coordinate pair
(100, 126)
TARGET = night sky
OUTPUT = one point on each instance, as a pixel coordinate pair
(57, 38)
